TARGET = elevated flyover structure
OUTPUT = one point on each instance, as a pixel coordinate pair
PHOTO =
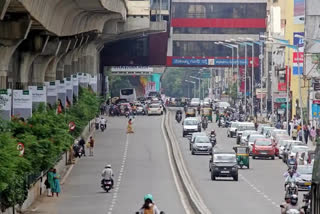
(44, 40)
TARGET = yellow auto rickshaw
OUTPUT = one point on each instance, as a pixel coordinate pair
(190, 112)
(242, 153)
(207, 112)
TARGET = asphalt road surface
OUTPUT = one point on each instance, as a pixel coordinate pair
(140, 164)
(259, 189)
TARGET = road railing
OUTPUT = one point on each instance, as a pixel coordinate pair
(195, 201)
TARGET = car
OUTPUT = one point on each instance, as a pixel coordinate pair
(282, 144)
(244, 136)
(251, 138)
(140, 109)
(305, 177)
(193, 136)
(232, 129)
(207, 102)
(201, 144)
(223, 164)
(195, 102)
(275, 132)
(243, 126)
(154, 108)
(266, 131)
(190, 125)
(263, 147)
(287, 148)
(260, 127)
(276, 140)
(297, 150)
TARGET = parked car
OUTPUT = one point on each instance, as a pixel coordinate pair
(232, 129)
(190, 125)
(201, 144)
(263, 148)
(305, 176)
(251, 138)
(223, 164)
(243, 126)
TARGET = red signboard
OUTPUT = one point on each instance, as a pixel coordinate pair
(218, 23)
(316, 102)
(295, 57)
(242, 85)
(282, 86)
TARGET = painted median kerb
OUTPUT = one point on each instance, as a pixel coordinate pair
(194, 197)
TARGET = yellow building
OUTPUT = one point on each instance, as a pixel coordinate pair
(290, 29)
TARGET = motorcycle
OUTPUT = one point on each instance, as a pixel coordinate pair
(292, 189)
(106, 185)
(102, 127)
(161, 212)
(204, 125)
(307, 203)
(97, 126)
(126, 114)
(293, 211)
(213, 140)
(292, 164)
(78, 151)
(178, 118)
(222, 123)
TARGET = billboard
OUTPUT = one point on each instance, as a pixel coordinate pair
(312, 20)
(22, 103)
(298, 13)
(298, 56)
(5, 104)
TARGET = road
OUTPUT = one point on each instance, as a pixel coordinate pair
(141, 166)
(259, 189)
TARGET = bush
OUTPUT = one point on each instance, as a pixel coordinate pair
(45, 137)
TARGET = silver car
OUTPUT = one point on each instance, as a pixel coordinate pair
(232, 129)
(201, 144)
(193, 137)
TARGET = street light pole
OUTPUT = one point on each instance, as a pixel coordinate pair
(194, 86)
(252, 79)
(199, 85)
(245, 78)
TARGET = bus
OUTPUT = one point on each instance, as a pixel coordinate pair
(129, 94)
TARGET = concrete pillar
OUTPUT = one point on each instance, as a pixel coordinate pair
(27, 59)
(40, 66)
(12, 33)
(4, 4)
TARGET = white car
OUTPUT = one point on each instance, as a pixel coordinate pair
(245, 134)
(201, 144)
(232, 129)
(155, 109)
(296, 151)
(191, 125)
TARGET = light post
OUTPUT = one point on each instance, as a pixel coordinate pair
(199, 84)
(194, 86)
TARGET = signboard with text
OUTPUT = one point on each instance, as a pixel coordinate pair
(5, 104)
(39, 95)
(22, 103)
(298, 56)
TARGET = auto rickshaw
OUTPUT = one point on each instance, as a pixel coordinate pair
(207, 112)
(242, 153)
(190, 112)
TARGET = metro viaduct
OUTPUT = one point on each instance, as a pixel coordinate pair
(47, 40)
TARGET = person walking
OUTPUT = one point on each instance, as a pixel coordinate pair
(50, 182)
(300, 134)
(294, 133)
(306, 133)
(313, 134)
(56, 179)
(91, 146)
(129, 128)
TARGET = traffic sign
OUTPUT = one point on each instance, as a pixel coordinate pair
(20, 148)
(72, 126)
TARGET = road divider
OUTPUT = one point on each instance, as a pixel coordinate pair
(195, 201)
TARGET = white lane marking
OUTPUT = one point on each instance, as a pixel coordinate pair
(180, 192)
(258, 191)
(116, 190)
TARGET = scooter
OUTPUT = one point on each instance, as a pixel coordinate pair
(106, 185)
(204, 125)
(178, 118)
(102, 127)
(97, 126)
(292, 189)
(78, 150)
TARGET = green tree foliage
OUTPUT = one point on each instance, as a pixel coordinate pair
(173, 81)
(45, 137)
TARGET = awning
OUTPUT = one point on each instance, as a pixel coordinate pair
(259, 96)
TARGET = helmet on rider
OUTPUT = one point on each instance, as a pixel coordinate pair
(148, 197)
(213, 132)
(108, 166)
(294, 199)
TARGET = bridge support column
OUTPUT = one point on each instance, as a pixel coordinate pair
(27, 58)
(40, 67)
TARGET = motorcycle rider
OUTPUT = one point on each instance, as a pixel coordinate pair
(292, 161)
(149, 207)
(285, 204)
(107, 174)
(204, 122)
(291, 178)
(97, 122)
(179, 115)
(103, 122)
(294, 205)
